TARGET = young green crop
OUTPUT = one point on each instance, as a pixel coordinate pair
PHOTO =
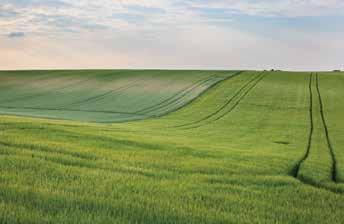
(102, 95)
(229, 156)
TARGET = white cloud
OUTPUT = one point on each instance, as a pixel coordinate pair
(198, 47)
(162, 34)
(290, 8)
(38, 16)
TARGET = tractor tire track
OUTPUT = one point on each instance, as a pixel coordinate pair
(35, 95)
(192, 86)
(242, 97)
(196, 97)
(296, 169)
(116, 91)
(103, 95)
(234, 106)
(197, 83)
(331, 151)
(223, 106)
(75, 110)
(177, 100)
(58, 89)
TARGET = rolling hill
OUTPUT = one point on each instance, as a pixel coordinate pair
(104, 95)
(256, 147)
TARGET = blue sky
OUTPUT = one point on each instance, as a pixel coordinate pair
(217, 34)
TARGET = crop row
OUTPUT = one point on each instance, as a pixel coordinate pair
(230, 104)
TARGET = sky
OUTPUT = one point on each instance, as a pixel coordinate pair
(172, 34)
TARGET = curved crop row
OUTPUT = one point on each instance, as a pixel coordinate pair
(102, 95)
(177, 96)
(79, 95)
(214, 116)
(35, 95)
(183, 98)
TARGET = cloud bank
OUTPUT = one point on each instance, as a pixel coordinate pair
(219, 34)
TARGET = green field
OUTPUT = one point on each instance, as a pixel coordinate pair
(198, 147)
(103, 95)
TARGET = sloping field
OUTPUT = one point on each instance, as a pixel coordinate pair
(259, 147)
(102, 96)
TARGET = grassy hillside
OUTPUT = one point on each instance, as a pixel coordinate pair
(103, 95)
(259, 147)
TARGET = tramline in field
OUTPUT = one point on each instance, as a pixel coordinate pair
(102, 96)
(208, 147)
